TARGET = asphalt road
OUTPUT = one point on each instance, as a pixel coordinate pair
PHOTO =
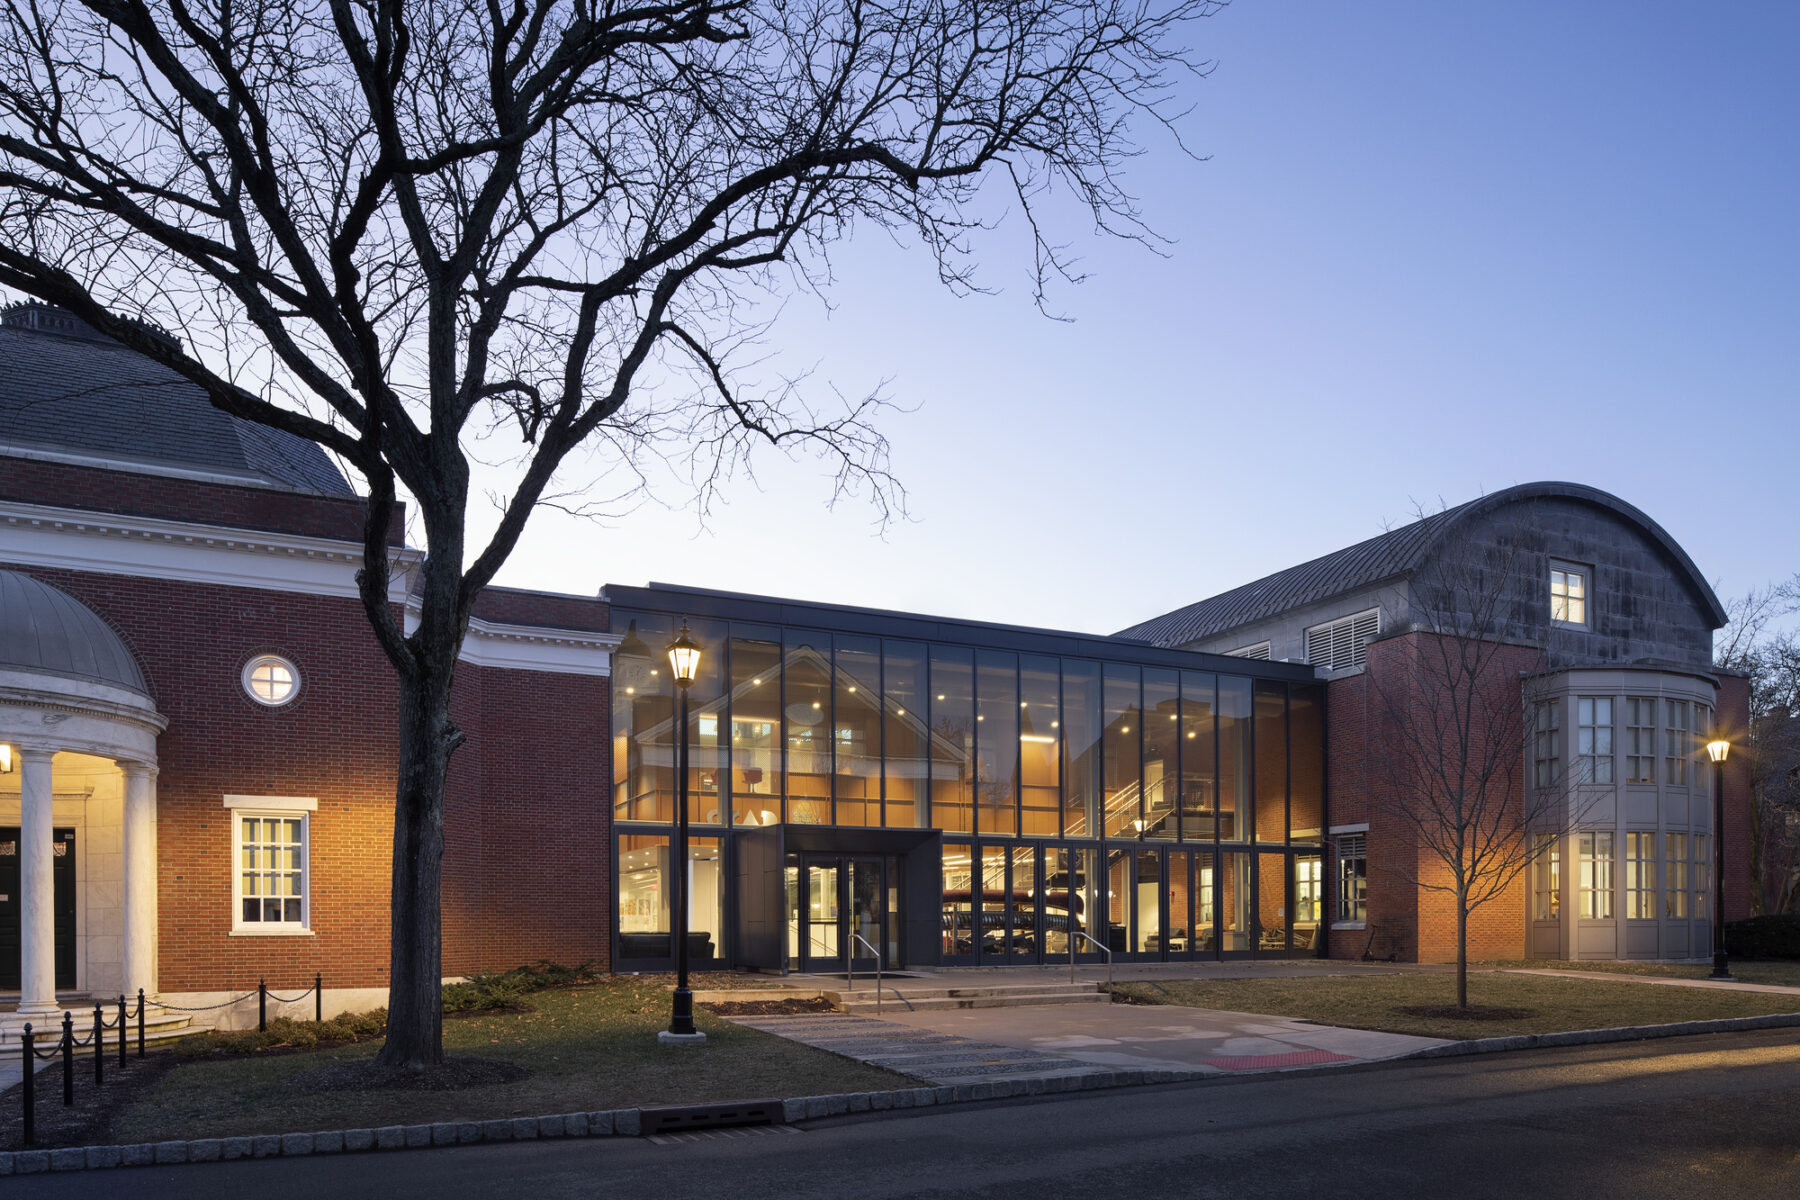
(1712, 1117)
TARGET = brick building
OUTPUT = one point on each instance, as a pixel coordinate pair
(197, 741)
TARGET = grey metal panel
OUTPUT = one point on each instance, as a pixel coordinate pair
(43, 628)
(1640, 939)
(1640, 807)
(756, 878)
(1675, 808)
(922, 899)
(1596, 939)
(1675, 941)
(1546, 939)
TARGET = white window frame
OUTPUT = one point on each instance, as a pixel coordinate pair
(1351, 911)
(1594, 739)
(1343, 643)
(1640, 739)
(278, 808)
(247, 677)
(1586, 597)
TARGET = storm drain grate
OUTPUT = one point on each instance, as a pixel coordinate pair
(710, 1116)
(713, 1135)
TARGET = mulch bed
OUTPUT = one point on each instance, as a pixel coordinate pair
(452, 1075)
(767, 1008)
(1475, 1012)
(90, 1119)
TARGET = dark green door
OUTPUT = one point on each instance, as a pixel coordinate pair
(62, 878)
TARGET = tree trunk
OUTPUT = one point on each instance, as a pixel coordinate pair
(415, 971)
(1462, 948)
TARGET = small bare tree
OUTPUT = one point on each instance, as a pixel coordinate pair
(1760, 642)
(1458, 717)
(399, 227)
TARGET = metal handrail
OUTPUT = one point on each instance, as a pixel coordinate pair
(1076, 933)
(850, 967)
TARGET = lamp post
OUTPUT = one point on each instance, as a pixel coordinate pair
(684, 663)
(1717, 750)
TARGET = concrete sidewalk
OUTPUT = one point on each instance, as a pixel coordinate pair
(958, 1046)
(1723, 985)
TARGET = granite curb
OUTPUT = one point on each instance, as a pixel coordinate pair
(1591, 1037)
(621, 1122)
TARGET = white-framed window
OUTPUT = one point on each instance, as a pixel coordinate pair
(1344, 642)
(1568, 594)
(1702, 875)
(1258, 650)
(271, 873)
(1547, 878)
(1677, 743)
(1640, 876)
(1596, 880)
(1675, 876)
(271, 680)
(1353, 877)
(1593, 739)
(1547, 743)
(1640, 739)
(1309, 887)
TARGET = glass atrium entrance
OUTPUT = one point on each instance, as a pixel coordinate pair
(842, 912)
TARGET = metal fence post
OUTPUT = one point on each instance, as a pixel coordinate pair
(68, 1057)
(29, 1085)
(140, 1022)
(318, 997)
(121, 1031)
(262, 1005)
(99, 1046)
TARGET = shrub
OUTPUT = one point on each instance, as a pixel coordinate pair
(489, 991)
(285, 1033)
(1774, 936)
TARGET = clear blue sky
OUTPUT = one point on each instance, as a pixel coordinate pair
(1435, 250)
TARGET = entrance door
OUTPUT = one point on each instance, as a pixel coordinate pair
(848, 911)
(62, 882)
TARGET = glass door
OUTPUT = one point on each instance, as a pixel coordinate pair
(845, 911)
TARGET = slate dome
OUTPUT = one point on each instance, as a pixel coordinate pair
(45, 629)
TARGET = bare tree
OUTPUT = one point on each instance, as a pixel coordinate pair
(1760, 642)
(1457, 717)
(400, 228)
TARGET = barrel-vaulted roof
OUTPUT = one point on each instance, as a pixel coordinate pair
(44, 629)
(1391, 555)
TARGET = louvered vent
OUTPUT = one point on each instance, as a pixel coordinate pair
(1342, 643)
(1260, 650)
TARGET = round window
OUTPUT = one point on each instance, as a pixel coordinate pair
(271, 680)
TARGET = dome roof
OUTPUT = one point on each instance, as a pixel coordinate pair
(45, 629)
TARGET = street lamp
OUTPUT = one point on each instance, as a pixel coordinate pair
(1717, 750)
(684, 662)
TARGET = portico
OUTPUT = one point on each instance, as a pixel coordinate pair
(78, 734)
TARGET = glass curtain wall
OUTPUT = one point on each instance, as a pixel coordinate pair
(1199, 796)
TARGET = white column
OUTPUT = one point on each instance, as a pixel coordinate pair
(140, 878)
(37, 959)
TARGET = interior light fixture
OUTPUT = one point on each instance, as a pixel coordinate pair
(1037, 737)
(6, 759)
(899, 712)
(1124, 729)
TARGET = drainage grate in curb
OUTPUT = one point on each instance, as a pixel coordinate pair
(714, 1135)
(675, 1118)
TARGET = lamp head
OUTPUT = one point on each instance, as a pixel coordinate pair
(1717, 749)
(684, 657)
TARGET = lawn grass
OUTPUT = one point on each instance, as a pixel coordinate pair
(588, 1048)
(1782, 972)
(1371, 1001)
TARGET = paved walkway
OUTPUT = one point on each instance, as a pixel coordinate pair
(955, 1046)
(1665, 980)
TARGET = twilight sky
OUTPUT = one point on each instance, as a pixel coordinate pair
(1435, 250)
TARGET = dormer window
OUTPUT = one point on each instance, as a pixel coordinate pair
(1568, 594)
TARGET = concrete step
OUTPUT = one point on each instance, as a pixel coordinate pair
(863, 1003)
(160, 1028)
(966, 991)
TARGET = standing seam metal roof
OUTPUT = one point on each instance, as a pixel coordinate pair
(43, 628)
